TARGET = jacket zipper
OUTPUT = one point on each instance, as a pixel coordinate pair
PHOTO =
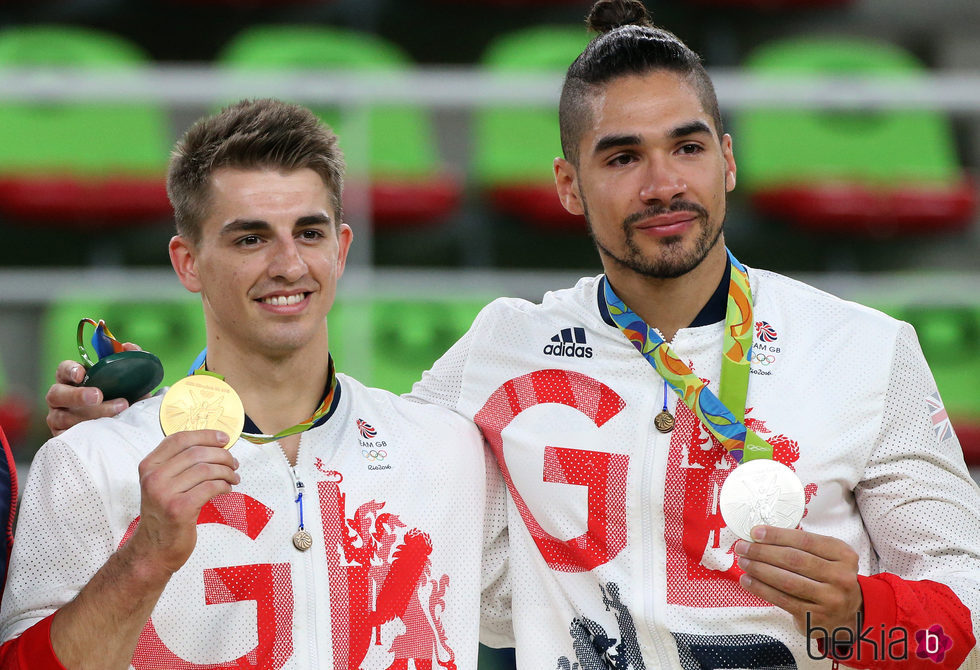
(311, 616)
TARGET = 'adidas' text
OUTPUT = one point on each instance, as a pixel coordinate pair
(568, 349)
(569, 342)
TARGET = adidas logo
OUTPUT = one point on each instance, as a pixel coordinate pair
(569, 342)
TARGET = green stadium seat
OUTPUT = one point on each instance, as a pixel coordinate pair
(950, 339)
(408, 185)
(172, 329)
(515, 146)
(879, 172)
(93, 164)
(399, 339)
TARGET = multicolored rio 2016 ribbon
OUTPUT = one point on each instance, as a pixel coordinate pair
(300, 427)
(722, 417)
(103, 341)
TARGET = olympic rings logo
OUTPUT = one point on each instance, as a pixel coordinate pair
(765, 359)
(374, 454)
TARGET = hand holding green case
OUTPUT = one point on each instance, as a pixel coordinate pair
(118, 373)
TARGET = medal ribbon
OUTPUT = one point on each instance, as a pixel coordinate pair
(299, 427)
(722, 417)
(103, 341)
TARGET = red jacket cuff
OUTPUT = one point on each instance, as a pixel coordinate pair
(31, 650)
(907, 625)
(880, 605)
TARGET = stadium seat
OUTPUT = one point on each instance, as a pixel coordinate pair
(172, 329)
(98, 165)
(406, 336)
(950, 339)
(408, 186)
(515, 146)
(871, 172)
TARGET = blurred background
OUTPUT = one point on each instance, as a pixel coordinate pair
(856, 128)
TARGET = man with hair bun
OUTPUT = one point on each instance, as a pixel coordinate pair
(616, 454)
(619, 554)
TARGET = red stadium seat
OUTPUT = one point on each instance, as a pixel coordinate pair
(15, 416)
(969, 435)
(517, 3)
(15, 411)
(776, 5)
(248, 4)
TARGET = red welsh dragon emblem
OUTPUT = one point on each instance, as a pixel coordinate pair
(380, 572)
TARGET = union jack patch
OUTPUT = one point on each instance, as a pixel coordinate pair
(939, 417)
(765, 332)
(367, 430)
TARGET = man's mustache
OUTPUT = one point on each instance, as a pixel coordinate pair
(652, 211)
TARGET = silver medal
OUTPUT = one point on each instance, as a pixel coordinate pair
(761, 492)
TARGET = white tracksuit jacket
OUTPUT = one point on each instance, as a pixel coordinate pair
(394, 499)
(619, 557)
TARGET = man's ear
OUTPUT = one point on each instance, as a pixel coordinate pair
(729, 155)
(184, 260)
(566, 181)
(344, 238)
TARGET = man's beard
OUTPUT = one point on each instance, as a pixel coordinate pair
(674, 261)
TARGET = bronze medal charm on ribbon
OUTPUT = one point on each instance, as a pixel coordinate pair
(664, 421)
(302, 540)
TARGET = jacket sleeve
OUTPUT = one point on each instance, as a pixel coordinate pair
(496, 625)
(63, 537)
(31, 650)
(443, 383)
(894, 634)
(922, 511)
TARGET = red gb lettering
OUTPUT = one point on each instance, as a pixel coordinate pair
(269, 585)
(603, 473)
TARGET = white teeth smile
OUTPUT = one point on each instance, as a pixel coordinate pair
(280, 300)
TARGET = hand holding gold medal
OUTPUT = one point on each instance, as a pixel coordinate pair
(202, 401)
(205, 400)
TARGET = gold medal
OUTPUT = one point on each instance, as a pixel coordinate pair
(302, 540)
(664, 422)
(199, 402)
